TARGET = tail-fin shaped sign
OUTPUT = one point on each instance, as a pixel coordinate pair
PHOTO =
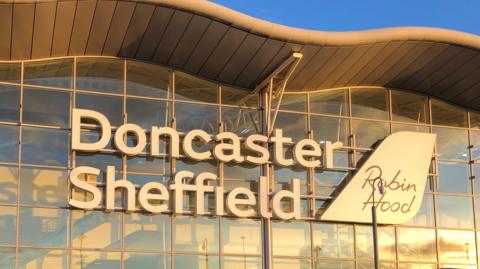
(398, 171)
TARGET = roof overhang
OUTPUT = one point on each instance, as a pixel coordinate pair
(214, 42)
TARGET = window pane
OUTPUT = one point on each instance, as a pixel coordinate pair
(369, 103)
(96, 229)
(147, 232)
(194, 89)
(241, 175)
(9, 103)
(110, 106)
(7, 258)
(454, 178)
(456, 246)
(146, 260)
(242, 262)
(409, 107)
(96, 260)
(326, 182)
(239, 97)
(332, 264)
(416, 244)
(454, 212)
(100, 75)
(475, 141)
(241, 236)
(192, 116)
(8, 184)
(291, 101)
(43, 187)
(8, 225)
(367, 133)
(452, 144)
(386, 242)
(332, 102)
(147, 113)
(42, 259)
(332, 240)
(10, 72)
(45, 146)
(283, 178)
(46, 107)
(448, 115)
(143, 164)
(425, 215)
(196, 234)
(196, 262)
(396, 127)
(330, 129)
(416, 266)
(9, 144)
(291, 264)
(291, 238)
(243, 122)
(43, 226)
(54, 73)
(293, 125)
(146, 79)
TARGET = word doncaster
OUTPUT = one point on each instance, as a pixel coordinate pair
(154, 197)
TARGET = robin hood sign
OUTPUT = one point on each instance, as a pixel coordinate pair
(400, 163)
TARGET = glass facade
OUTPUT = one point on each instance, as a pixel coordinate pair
(39, 230)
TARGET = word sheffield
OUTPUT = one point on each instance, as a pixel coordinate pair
(226, 147)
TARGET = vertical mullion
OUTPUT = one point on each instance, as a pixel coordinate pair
(19, 159)
(73, 158)
(124, 165)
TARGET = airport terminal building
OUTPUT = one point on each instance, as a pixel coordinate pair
(182, 134)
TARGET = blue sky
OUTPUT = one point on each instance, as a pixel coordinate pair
(348, 15)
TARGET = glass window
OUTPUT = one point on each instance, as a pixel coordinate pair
(291, 101)
(147, 232)
(242, 262)
(409, 107)
(369, 265)
(241, 236)
(42, 259)
(134, 260)
(425, 215)
(452, 144)
(291, 238)
(293, 125)
(456, 246)
(330, 129)
(416, 266)
(10, 72)
(9, 144)
(96, 229)
(7, 257)
(193, 116)
(416, 244)
(396, 127)
(8, 184)
(96, 260)
(146, 79)
(196, 262)
(333, 264)
(332, 102)
(477, 212)
(241, 175)
(332, 240)
(43, 227)
(54, 73)
(100, 74)
(326, 182)
(475, 141)
(283, 178)
(454, 212)
(46, 107)
(43, 187)
(143, 164)
(454, 178)
(8, 224)
(194, 89)
(367, 133)
(386, 242)
(239, 97)
(243, 122)
(474, 120)
(147, 113)
(45, 146)
(291, 263)
(9, 103)
(448, 115)
(370, 103)
(196, 234)
(110, 106)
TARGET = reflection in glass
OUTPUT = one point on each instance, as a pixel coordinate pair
(46, 107)
(448, 115)
(42, 259)
(332, 102)
(454, 212)
(100, 74)
(291, 263)
(146, 164)
(9, 103)
(332, 240)
(452, 144)
(397, 127)
(291, 238)
(43, 226)
(332, 264)
(146, 79)
(95, 229)
(416, 245)
(242, 262)
(330, 129)
(425, 215)
(386, 242)
(54, 73)
(475, 142)
(194, 89)
(10, 72)
(9, 144)
(416, 266)
(241, 236)
(369, 103)
(243, 122)
(196, 262)
(454, 178)
(98, 160)
(283, 178)
(147, 232)
(409, 107)
(8, 225)
(369, 265)
(7, 258)
(326, 182)
(239, 97)
(8, 184)
(43, 187)
(241, 175)
(196, 234)
(291, 101)
(147, 113)
(293, 125)
(367, 133)
(110, 106)
(95, 260)
(456, 246)
(193, 116)
(134, 260)
(45, 146)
